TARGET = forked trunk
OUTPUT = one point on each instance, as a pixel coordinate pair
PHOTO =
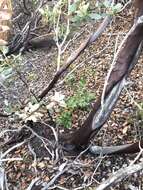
(123, 65)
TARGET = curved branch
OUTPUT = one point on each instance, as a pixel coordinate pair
(122, 149)
(126, 58)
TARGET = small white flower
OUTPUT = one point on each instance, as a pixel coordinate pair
(59, 98)
(31, 107)
(30, 113)
(50, 106)
(34, 117)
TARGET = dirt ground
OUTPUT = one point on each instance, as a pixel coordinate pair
(124, 126)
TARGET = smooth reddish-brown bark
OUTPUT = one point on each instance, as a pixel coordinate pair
(121, 69)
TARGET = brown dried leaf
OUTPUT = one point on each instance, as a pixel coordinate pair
(125, 130)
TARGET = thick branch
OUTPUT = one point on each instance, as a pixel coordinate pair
(122, 149)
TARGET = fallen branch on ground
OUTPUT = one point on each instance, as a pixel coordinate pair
(4, 115)
(120, 175)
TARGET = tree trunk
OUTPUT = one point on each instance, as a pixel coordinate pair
(123, 65)
(5, 17)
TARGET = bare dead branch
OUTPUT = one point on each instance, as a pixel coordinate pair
(20, 41)
(120, 175)
(3, 155)
(92, 38)
(4, 115)
(30, 187)
(25, 7)
(62, 169)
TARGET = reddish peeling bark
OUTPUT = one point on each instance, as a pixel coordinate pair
(122, 149)
(139, 7)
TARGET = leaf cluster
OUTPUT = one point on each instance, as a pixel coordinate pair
(80, 100)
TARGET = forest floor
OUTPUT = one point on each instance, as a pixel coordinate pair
(124, 125)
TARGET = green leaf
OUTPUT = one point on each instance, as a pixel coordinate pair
(72, 8)
(80, 100)
(107, 4)
(8, 109)
(65, 119)
(95, 16)
(117, 8)
(6, 71)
